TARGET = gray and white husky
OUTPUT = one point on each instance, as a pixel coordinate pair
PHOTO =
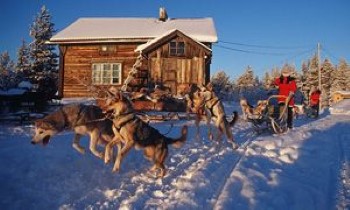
(82, 120)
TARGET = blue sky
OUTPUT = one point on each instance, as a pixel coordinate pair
(266, 33)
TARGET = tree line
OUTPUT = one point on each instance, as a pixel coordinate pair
(248, 85)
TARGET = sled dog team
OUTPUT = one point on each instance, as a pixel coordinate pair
(118, 125)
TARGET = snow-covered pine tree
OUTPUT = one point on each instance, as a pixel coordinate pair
(6, 64)
(257, 81)
(298, 80)
(23, 60)
(220, 80)
(267, 80)
(234, 90)
(345, 74)
(304, 75)
(326, 72)
(310, 76)
(347, 78)
(339, 77)
(296, 75)
(304, 71)
(313, 71)
(6, 71)
(43, 55)
(247, 85)
(247, 80)
(275, 72)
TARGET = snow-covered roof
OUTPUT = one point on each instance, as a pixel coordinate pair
(137, 29)
(343, 92)
(155, 40)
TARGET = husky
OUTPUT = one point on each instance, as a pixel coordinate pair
(253, 112)
(131, 131)
(82, 119)
(206, 99)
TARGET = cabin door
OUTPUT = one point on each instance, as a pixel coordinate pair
(169, 80)
(169, 74)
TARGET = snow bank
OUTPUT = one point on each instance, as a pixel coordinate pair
(83, 100)
(25, 85)
(13, 91)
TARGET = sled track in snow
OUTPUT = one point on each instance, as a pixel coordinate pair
(186, 169)
(343, 196)
(242, 149)
(207, 162)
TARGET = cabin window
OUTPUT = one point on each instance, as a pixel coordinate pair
(106, 73)
(177, 48)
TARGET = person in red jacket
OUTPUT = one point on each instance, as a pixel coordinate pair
(286, 85)
(315, 95)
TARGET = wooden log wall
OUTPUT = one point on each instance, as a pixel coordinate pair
(190, 68)
(78, 60)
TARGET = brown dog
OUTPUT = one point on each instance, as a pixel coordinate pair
(206, 99)
(130, 130)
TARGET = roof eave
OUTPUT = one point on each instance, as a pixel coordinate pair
(114, 40)
(93, 41)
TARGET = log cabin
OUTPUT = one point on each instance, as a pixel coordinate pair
(101, 52)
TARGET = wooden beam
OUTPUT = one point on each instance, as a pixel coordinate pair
(62, 52)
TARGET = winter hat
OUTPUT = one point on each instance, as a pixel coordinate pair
(286, 72)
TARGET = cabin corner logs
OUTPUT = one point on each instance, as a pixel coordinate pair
(159, 67)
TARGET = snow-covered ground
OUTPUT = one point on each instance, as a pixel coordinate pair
(306, 168)
(341, 107)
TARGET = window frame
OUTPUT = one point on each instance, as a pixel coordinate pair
(177, 50)
(102, 72)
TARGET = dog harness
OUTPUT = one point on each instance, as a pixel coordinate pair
(210, 106)
(123, 120)
(81, 109)
(65, 118)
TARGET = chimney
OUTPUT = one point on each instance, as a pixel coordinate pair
(163, 16)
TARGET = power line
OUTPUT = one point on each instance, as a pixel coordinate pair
(330, 54)
(250, 51)
(265, 46)
(293, 57)
(299, 54)
(295, 53)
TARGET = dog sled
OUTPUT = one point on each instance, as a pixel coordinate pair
(163, 116)
(268, 115)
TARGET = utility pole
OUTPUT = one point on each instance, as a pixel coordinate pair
(319, 72)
